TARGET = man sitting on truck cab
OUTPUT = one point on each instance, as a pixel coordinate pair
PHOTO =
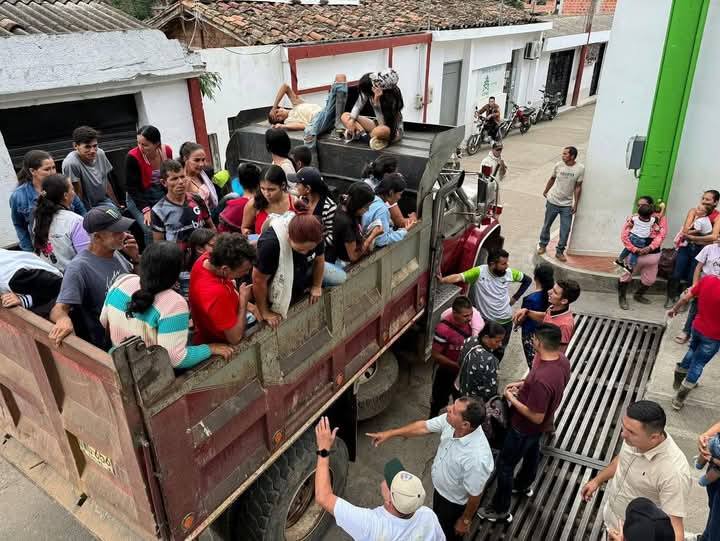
(112, 252)
(218, 308)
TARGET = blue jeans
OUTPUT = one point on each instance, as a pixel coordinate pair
(138, 216)
(333, 275)
(700, 351)
(324, 121)
(517, 447)
(551, 212)
(638, 242)
(685, 262)
(712, 529)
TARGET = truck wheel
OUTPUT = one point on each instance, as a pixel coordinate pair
(376, 386)
(280, 505)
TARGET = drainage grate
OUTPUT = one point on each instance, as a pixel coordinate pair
(611, 362)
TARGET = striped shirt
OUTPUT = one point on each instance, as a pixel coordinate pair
(164, 324)
(325, 211)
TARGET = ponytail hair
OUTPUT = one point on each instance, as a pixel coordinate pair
(32, 160)
(186, 149)
(160, 266)
(48, 204)
(198, 238)
(277, 176)
(384, 164)
(359, 195)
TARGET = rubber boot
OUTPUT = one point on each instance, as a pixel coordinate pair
(679, 377)
(679, 401)
(640, 295)
(671, 293)
(622, 295)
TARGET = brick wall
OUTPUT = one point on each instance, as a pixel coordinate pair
(580, 7)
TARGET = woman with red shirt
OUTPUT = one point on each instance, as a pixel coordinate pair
(142, 176)
(273, 198)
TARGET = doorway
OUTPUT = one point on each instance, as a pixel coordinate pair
(596, 71)
(450, 97)
(559, 71)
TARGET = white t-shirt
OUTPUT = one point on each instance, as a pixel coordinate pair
(566, 178)
(642, 228)
(303, 113)
(709, 258)
(702, 225)
(378, 525)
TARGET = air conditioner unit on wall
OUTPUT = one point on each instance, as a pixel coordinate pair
(532, 50)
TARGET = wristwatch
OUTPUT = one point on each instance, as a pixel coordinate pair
(466, 521)
(323, 453)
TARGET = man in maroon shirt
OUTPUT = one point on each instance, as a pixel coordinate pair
(448, 340)
(705, 338)
(533, 403)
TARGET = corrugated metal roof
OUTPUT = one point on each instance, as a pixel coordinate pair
(22, 17)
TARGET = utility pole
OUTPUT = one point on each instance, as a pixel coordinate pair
(583, 52)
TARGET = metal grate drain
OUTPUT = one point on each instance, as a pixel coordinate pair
(611, 362)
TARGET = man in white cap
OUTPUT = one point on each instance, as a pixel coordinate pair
(402, 515)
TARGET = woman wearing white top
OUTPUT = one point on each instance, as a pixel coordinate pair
(58, 233)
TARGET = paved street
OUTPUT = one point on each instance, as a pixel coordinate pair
(29, 514)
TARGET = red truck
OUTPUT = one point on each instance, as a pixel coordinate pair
(133, 450)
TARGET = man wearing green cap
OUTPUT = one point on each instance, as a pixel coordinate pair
(402, 515)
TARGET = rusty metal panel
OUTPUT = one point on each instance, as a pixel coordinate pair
(69, 409)
(212, 434)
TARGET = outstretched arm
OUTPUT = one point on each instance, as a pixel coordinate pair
(418, 428)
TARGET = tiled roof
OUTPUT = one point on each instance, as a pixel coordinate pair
(22, 17)
(264, 23)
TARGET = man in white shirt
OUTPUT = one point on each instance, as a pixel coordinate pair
(402, 517)
(463, 462)
(562, 192)
(494, 160)
(649, 465)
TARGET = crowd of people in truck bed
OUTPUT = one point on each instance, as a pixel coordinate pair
(189, 260)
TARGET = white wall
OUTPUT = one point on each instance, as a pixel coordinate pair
(696, 167)
(8, 181)
(250, 79)
(632, 61)
(167, 107)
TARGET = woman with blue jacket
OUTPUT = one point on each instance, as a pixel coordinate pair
(387, 193)
(37, 166)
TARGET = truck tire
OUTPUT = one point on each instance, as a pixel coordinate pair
(265, 511)
(376, 386)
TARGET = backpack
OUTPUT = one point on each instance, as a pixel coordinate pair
(497, 421)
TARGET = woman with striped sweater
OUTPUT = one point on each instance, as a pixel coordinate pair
(148, 307)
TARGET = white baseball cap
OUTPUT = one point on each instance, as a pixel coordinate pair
(406, 490)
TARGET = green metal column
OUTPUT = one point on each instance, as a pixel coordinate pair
(677, 70)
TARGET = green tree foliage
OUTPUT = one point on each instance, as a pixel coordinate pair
(140, 9)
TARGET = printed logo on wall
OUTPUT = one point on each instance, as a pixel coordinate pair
(490, 80)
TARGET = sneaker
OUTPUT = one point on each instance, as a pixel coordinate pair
(561, 257)
(489, 514)
(378, 144)
(527, 492)
(540, 249)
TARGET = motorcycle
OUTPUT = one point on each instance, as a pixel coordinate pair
(520, 118)
(479, 135)
(549, 107)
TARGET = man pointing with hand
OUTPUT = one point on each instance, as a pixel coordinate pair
(462, 465)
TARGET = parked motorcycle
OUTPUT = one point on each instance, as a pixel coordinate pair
(479, 135)
(520, 118)
(549, 107)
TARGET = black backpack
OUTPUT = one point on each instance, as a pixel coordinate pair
(497, 421)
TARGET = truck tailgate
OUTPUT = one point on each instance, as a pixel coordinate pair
(69, 427)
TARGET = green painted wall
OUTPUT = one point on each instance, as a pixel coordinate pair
(677, 70)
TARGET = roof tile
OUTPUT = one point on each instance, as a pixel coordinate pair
(257, 23)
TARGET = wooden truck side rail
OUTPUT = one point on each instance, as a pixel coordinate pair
(73, 426)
